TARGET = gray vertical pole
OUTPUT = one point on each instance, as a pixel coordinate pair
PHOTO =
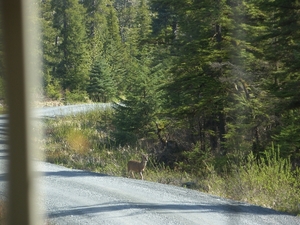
(17, 40)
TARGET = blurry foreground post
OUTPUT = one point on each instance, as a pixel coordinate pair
(19, 45)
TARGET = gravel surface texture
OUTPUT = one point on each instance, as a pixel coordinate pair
(80, 197)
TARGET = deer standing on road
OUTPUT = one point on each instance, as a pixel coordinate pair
(135, 166)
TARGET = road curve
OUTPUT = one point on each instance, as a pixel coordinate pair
(69, 109)
(80, 197)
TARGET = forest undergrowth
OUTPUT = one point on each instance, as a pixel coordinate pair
(84, 142)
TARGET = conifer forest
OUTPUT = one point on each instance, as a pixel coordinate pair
(202, 79)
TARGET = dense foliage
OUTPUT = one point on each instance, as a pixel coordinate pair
(202, 79)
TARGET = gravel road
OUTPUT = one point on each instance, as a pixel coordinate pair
(81, 197)
(69, 109)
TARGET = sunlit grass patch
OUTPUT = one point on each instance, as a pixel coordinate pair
(78, 141)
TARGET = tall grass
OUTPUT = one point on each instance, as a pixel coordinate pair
(84, 142)
(269, 181)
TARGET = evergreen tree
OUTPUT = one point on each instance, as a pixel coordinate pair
(194, 94)
(212, 87)
(143, 20)
(101, 85)
(97, 12)
(245, 113)
(126, 13)
(49, 48)
(74, 65)
(135, 116)
(114, 50)
(223, 74)
(281, 51)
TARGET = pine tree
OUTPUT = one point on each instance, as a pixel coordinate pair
(97, 31)
(101, 85)
(126, 13)
(74, 65)
(194, 94)
(281, 51)
(135, 115)
(114, 49)
(49, 48)
(210, 79)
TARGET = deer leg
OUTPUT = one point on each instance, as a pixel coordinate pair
(141, 173)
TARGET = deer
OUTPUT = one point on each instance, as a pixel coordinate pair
(135, 166)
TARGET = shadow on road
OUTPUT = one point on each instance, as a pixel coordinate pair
(73, 173)
(3, 153)
(3, 129)
(3, 177)
(167, 208)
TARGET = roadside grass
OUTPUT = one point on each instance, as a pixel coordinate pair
(84, 142)
(271, 183)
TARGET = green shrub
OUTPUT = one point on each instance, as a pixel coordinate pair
(268, 181)
(76, 96)
(53, 90)
(196, 161)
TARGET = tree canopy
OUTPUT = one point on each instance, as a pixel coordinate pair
(222, 75)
